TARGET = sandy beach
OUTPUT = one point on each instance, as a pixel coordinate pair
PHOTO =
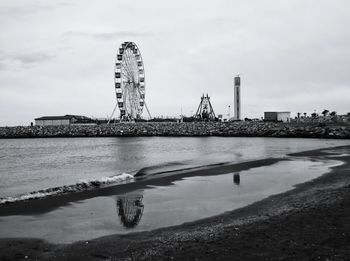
(310, 222)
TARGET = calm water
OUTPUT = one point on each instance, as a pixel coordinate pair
(32, 164)
(161, 206)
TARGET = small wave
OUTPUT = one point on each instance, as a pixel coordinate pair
(160, 168)
(80, 186)
(172, 167)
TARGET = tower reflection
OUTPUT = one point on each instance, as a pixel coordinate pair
(130, 209)
(236, 179)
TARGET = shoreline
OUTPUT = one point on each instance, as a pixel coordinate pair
(44, 205)
(185, 129)
(304, 223)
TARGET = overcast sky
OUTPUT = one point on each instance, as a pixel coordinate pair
(57, 56)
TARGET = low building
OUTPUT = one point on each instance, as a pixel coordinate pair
(62, 120)
(283, 116)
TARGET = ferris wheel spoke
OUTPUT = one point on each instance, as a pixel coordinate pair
(127, 57)
(127, 70)
(124, 66)
(128, 63)
(126, 75)
(135, 69)
(132, 100)
(126, 100)
(127, 67)
(131, 63)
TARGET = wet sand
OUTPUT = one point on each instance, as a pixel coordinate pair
(311, 221)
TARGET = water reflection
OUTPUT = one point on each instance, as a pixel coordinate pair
(236, 179)
(130, 209)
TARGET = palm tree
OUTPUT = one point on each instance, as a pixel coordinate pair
(325, 113)
(333, 113)
(298, 114)
(305, 114)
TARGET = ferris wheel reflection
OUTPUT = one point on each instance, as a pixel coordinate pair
(130, 209)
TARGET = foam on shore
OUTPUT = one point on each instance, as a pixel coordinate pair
(80, 186)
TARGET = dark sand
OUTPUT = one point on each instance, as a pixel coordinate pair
(310, 222)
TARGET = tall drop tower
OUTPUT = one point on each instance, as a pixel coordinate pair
(237, 98)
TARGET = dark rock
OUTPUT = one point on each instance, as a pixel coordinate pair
(233, 129)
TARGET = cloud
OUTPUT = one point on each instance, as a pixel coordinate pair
(25, 59)
(22, 10)
(3, 67)
(30, 9)
(293, 55)
(107, 35)
(30, 58)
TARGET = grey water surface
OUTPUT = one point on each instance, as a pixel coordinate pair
(28, 165)
(154, 207)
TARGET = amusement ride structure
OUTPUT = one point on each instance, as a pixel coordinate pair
(130, 88)
(130, 209)
(129, 82)
(205, 111)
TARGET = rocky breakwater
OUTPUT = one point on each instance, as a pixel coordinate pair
(233, 129)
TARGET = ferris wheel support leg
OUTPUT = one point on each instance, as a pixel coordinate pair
(149, 114)
(110, 118)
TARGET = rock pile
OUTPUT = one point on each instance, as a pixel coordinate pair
(232, 129)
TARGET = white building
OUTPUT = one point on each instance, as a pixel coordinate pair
(237, 98)
(283, 116)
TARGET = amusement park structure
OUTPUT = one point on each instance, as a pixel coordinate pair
(130, 209)
(129, 83)
(205, 111)
(130, 89)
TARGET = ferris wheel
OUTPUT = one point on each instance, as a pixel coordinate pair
(129, 78)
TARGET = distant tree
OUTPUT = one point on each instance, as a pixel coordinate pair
(305, 114)
(298, 114)
(348, 114)
(325, 113)
(314, 115)
(333, 113)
